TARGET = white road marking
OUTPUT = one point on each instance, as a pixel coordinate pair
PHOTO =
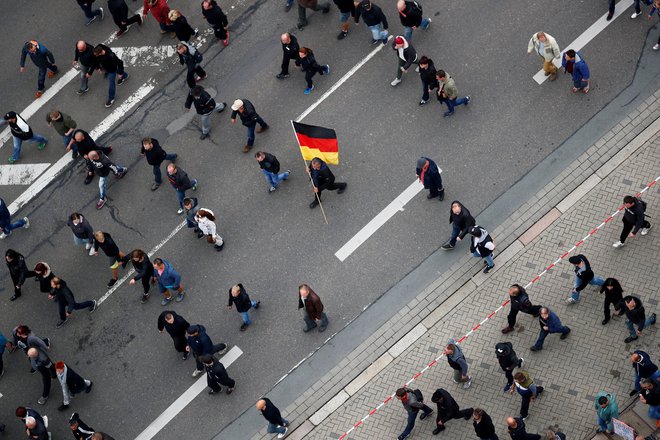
(187, 397)
(21, 174)
(588, 35)
(395, 206)
(145, 56)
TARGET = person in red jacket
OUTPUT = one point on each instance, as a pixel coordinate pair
(160, 11)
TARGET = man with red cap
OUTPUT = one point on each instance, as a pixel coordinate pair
(406, 56)
(72, 383)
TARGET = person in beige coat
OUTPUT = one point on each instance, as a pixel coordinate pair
(546, 46)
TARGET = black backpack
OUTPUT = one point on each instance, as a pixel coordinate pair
(419, 395)
(506, 355)
(197, 57)
(416, 7)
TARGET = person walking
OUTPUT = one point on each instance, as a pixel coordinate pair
(411, 16)
(448, 93)
(613, 295)
(18, 271)
(508, 360)
(240, 298)
(447, 409)
(155, 156)
(63, 124)
(346, 11)
(79, 429)
(43, 59)
(181, 183)
(71, 382)
(168, 279)
(549, 323)
(102, 166)
(36, 430)
(456, 360)
(644, 369)
(191, 206)
(4, 344)
(635, 315)
(24, 338)
(427, 74)
(314, 5)
(21, 132)
(200, 344)
(573, 63)
(655, 9)
(6, 226)
(650, 395)
(191, 58)
(216, 375)
(428, 174)
(90, 14)
(85, 61)
(176, 326)
(43, 276)
(217, 19)
(204, 106)
(144, 271)
(104, 241)
(461, 221)
(41, 362)
(290, 51)
(160, 11)
(606, 410)
(98, 435)
(375, 20)
(322, 179)
(483, 425)
(83, 233)
(112, 67)
(482, 246)
(83, 145)
(311, 67)
(527, 390)
(551, 434)
(276, 423)
(183, 31)
(517, 430)
(66, 302)
(249, 118)
(310, 301)
(406, 56)
(638, 9)
(270, 167)
(205, 220)
(119, 11)
(633, 220)
(413, 402)
(583, 277)
(520, 302)
(547, 48)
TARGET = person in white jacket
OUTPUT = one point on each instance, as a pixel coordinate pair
(206, 223)
(546, 46)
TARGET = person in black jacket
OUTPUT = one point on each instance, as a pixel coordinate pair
(200, 344)
(249, 118)
(155, 155)
(461, 221)
(104, 241)
(322, 179)
(633, 220)
(410, 14)
(650, 395)
(428, 174)
(613, 295)
(42, 275)
(270, 167)
(375, 20)
(43, 59)
(21, 132)
(427, 74)
(482, 246)
(644, 368)
(119, 11)
(583, 277)
(517, 431)
(112, 66)
(191, 58)
(406, 56)
(346, 11)
(71, 382)
(83, 233)
(80, 430)
(204, 105)
(508, 360)
(239, 297)
(181, 183)
(183, 31)
(216, 375)
(519, 302)
(17, 270)
(176, 326)
(290, 49)
(85, 60)
(102, 166)
(90, 14)
(447, 409)
(276, 423)
(309, 65)
(144, 271)
(66, 302)
(314, 5)
(483, 425)
(217, 19)
(82, 145)
(635, 315)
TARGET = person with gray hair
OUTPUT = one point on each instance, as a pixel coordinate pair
(35, 429)
(456, 360)
(322, 179)
(42, 363)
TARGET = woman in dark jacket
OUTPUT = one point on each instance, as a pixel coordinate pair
(43, 275)
(217, 19)
(239, 297)
(483, 425)
(183, 31)
(176, 326)
(309, 65)
(427, 74)
(83, 233)
(144, 270)
(18, 271)
(613, 295)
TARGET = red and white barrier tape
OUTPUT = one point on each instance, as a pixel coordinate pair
(537, 278)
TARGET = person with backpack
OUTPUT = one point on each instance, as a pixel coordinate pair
(155, 155)
(191, 58)
(508, 360)
(456, 360)
(43, 59)
(447, 409)
(20, 132)
(482, 246)
(412, 401)
(411, 16)
(519, 302)
(633, 220)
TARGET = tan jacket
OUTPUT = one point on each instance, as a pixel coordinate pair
(551, 48)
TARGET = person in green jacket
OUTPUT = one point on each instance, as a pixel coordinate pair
(606, 409)
(64, 125)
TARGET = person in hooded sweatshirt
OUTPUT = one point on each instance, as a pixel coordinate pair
(66, 302)
(517, 430)
(144, 271)
(447, 409)
(276, 423)
(216, 375)
(573, 63)
(155, 156)
(412, 403)
(428, 174)
(240, 298)
(583, 277)
(42, 274)
(606, 410)
(406, 57)
(200, 344)
(71, 382)
(217, 19)
(483, 425)
(461, 221)
(168, 279)
(427, 74)
(508, 360)
(635, 315)
(17, 270)
(633, 220)
(83, 233)
(482, 246)
(176, 326)
(456, 360)
(519, 302)
(613, 295)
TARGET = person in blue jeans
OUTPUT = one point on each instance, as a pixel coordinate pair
(244, 109)
(644, 369)
(482, 246)
(410, 14)
(239, 297)
(461, 221)
(6, 226)
(635, 315)
(573, 63)
(270, 167)
(412, 404)
(375, 20)
(650, 395)
(43, 59)
(276, 423)
(21, 131)
(638, 9)
(448, 93)
(112, 66)
(550, 323)
(155, 155)
(181, 183)
(90, 14)
(583, 277)
(606, 410)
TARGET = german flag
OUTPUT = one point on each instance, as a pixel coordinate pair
(317, 142)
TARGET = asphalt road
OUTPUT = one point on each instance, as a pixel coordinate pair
(273, 241)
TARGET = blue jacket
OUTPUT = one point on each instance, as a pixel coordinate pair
(645, 368)
(170, 277)
(200, 344)
(553, 323)
(580, 68)
(3, 341)
(5, 218)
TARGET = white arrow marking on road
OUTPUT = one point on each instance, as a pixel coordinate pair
(145, 56)
(587, 36)
(21, 174)
(187, 397)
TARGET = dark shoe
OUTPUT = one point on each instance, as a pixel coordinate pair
(384, 41)
(306, 329)
(62, 407)
(605, 321)
(633, 392)
(47, 342)
(88, 179)
(15, 297)
(300, 26)
(653, 319)
(89, 388)
(203, 136)
(467, 417)
(282, 75)
(342, 35)
(438, 430)
(230, 390)
(507, 387)
(609, 16)
(429, 196)
(535, 348)
(109, 103)
(507, 329)
(342, 189)
(447, 114)
(112, 282)
(185, 356)
(155, 186)
(374, 41)
(211, 391)
(565, 335)
(122, 79)
(122, 174)
(447, 246)
(257, 305)
(244, 327)
(323, 328)
(629, 339)
(441, 195)
(200, 234)
(218, 247)
(425, 415)
(262, 129)
(83, 91)
(145, 298)
(314, 204)
(61, 323)
(488, 268)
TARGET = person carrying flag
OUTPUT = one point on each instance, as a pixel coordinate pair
(322, 179)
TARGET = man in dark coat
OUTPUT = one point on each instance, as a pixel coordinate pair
(633, 220)
(155, 155)
(239, 297)
(519, 302)
(249, 118)
(314, 5)
(276, 423)
(82, 145)
(176, 326)
(310, 301)
(205, 106)
(71, 382)
(43, 59)
(200, 344)
(119, 11)
(66, 302)
(517, 431)
(461, 221)
(644, 368)
(17, 270)
(112, 66)
(375, 20)
(102, 166)
(216, 375)
(483, 425)
(80, 430)
(428, 174)
(447, 409)
(635, 315)
(290, 51)
(84, 59)
(410, 14)
(36, 429)
(191, 58)
(270, 167)
(181, 183)
(427, 74)
(217, 19)
(406, 56)
(508, 360)
(20, 132)
(322, 178)
(41, 362)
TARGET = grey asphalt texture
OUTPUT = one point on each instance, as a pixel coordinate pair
(273, 241)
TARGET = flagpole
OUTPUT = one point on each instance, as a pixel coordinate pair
(316, 194)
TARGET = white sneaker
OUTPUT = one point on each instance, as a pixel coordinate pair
(417, 69)
(656, 47)
(283, 434)
(571, 300)
(467, 384)
(179, 211)
(635, 15)
(618, 244)
(27, 223)
(645, 231)
(88, 245)
(3, 236)
(522, 362)
(395, 82)
(91, 251)
(197, 373)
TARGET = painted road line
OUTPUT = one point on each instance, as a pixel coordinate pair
(145, 56)
(395, 206)
(187, 397)
(587, 36)
(21, 174)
